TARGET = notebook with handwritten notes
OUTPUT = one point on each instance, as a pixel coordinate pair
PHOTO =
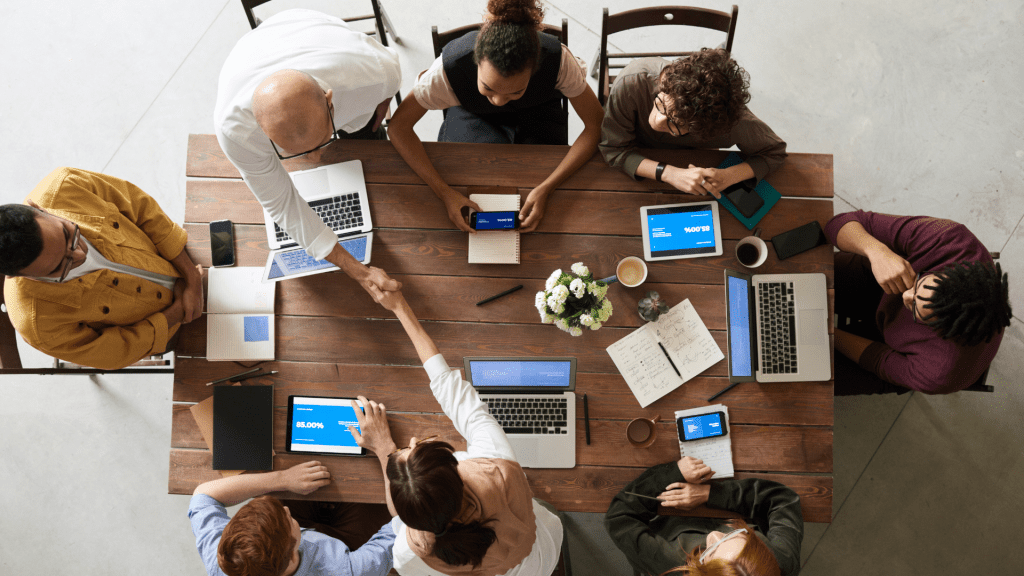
(646, 366)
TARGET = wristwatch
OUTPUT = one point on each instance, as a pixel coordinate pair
(659, 170)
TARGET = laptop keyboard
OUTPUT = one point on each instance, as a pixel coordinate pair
(529, 415)
(777, 322)
(341, 213)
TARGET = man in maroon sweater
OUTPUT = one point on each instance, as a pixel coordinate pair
(926, 304)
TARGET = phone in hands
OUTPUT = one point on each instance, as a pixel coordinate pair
(504, 220)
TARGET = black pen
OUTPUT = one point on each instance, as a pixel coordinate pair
(496, 296)
(271, 373)
(226, 378)
(723, 391)
(586, 418)
(670, 360)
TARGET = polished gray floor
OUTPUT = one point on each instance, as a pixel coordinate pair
(919, 102)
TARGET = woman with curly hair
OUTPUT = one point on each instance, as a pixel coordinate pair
(663, 545)
(699, 101)
(501, 85)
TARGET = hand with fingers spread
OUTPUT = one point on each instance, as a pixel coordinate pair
(694, 470)
(374, 433)
(685, 496)
(892, 272)
(306, 477)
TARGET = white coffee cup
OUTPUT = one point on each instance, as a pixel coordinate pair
(747, 258)
(631, 271)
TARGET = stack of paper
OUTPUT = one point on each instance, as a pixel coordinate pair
(240, 315)
(646, 367)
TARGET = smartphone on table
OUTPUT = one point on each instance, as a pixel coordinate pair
(701, 426)
(222, 243)
(799, 239)
(504, 220)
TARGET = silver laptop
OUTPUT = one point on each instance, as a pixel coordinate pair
(337, 193)
(778, 327)
(533, 400)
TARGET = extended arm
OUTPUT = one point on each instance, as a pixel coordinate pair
(589, 110)
(851, 345)
(892, 272)
(409, 146)
(375, 437)
(300, 479)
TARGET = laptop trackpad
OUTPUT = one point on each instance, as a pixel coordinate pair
(526, 449)
(810, 329)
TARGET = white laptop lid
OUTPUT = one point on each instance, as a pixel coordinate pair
(293, 262)
(689, 230)
(326, 182)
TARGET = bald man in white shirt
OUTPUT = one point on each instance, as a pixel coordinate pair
(289, 88)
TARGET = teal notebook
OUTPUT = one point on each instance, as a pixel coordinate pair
(766, 191)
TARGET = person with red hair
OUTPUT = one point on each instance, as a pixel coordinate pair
(656, 544)
(268, 537)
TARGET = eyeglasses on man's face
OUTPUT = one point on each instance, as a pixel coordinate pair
(70, 258)
(418, 442)
(662, 109)
(333, 137)
(714, 546)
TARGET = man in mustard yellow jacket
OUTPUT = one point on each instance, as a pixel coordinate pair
(97, 273)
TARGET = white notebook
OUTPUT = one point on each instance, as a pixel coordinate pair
(715, 452)
(647, 369)
(239, 315)
(497, 246)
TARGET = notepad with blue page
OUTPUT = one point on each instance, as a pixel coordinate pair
(240, 315)
(766, 191)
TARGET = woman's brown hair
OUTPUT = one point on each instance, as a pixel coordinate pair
(426, 490)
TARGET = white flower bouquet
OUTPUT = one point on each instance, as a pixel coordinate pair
(574, 301)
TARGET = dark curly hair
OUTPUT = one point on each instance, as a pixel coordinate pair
(508, 39)
(709, 91)
(426, 490)
(21, 239)
(970, 302)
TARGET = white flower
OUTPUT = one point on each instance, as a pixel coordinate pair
(578, 288)
(560, 292)
(595, 326)
(586, 319)
(550, 283)
(547, 318)
(562, 325)
(579, 269)
(576, 331)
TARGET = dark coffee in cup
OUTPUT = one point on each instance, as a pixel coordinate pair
(748, 254)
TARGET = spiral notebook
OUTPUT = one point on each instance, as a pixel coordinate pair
(715, 452)
(495, 247)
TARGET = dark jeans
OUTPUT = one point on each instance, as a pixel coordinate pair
(544, 124)
(857, 298)
(366, 132)
(353, 524)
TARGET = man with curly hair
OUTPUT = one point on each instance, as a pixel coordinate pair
(696, 102)
(921, 305)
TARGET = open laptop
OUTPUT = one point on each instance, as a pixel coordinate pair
(288, 263)
(337, 193)
(533, 400)
(778, 327)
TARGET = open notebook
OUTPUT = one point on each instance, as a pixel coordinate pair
(495, 247)
(240, 315)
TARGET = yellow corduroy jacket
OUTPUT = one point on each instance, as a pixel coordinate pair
(104, 319)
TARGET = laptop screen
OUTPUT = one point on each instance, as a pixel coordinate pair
(738, 293)
(294, 262)
(541, 374)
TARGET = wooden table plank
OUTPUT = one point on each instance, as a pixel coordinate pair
(580, 489)
(429, 252)
(521, 165)
(572, 212)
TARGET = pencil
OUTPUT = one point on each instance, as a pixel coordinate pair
(496, 296)
(723, 391)
(670, 360)
(226, 378)
(586, 418)
(271, 373)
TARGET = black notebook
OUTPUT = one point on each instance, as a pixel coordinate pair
(243, 428)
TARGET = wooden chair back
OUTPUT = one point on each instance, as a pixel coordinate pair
(655, 16)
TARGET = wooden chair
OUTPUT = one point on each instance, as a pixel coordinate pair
(382, 27)
(10, 357)
(441, 39)
(656, 16)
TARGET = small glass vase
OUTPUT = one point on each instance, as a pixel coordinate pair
(652, 306)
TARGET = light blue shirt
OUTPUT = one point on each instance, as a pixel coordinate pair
(319, 554)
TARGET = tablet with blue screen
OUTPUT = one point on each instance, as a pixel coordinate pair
(672, 231)
(319, 425)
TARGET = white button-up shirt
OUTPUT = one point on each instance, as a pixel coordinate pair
(361, 72)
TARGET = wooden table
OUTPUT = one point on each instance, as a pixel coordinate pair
(332, 339)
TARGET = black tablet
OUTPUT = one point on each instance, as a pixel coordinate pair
(319, 425)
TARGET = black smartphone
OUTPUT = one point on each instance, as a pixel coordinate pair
(701, 426)
(506, 220)
(222, 243)
(744, 198)
(799, 239)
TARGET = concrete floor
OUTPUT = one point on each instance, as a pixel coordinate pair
(918, 101)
